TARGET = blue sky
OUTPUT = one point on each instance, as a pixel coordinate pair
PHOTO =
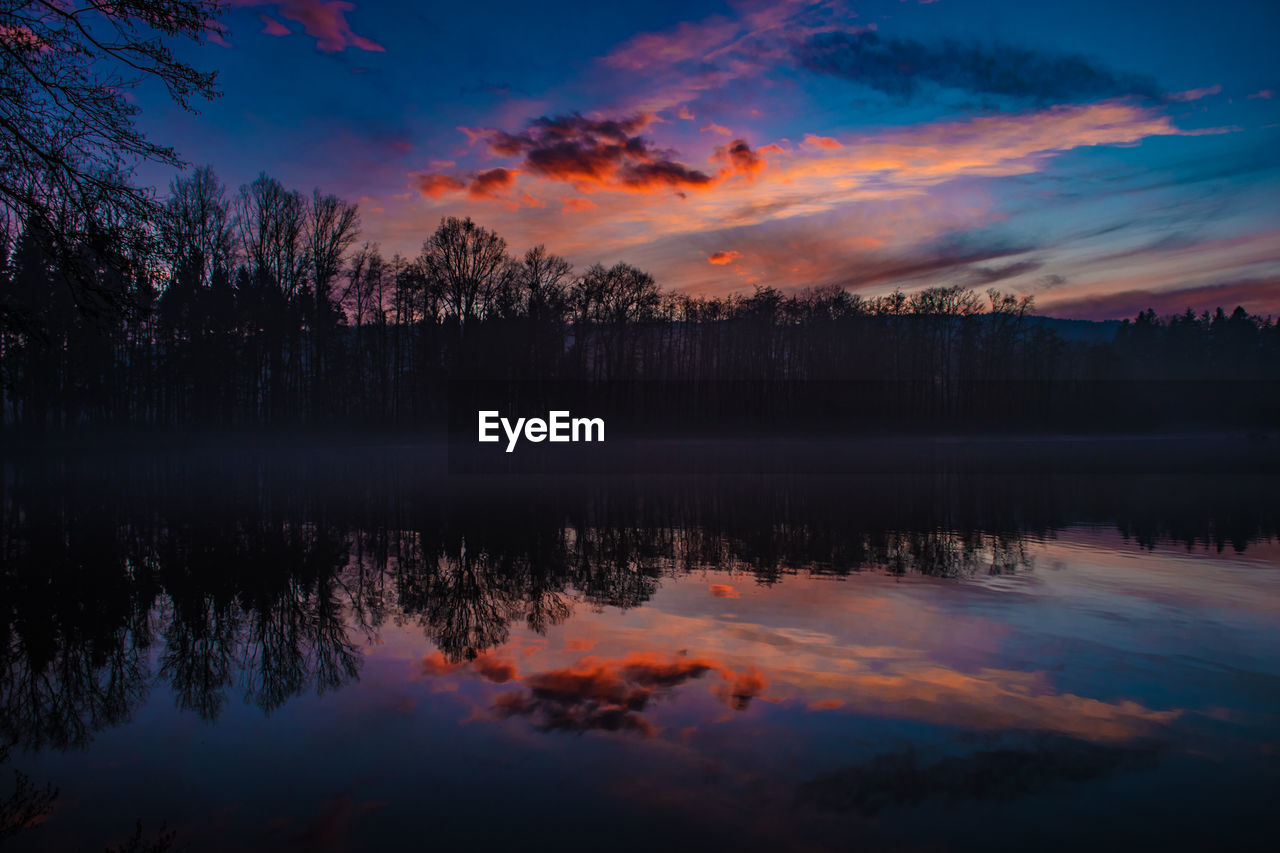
(1102, 156)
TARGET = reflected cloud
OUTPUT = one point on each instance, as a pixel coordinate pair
(989, 699)
(607, 694)
(600, 694)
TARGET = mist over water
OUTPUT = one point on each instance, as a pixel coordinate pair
(295, 649)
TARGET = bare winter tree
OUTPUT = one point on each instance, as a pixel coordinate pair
(196, 228)
(362, 296)
(68, 140)
(468, 263)
(617, 294)
(332, 228)
(543, 278)
(272, 222)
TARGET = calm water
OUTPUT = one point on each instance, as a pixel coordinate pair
(357, 651)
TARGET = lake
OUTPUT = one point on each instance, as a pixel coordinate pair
(358, 650)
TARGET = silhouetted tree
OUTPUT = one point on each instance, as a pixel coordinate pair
(67, 131)
(468, 264)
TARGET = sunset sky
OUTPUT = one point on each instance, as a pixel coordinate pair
(1103, 156)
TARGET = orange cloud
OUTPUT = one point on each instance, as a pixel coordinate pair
(574, 204)
(492, 669)
(491, 183)
(739, 158)
(592, 154)
(826, 705)
(720, 590)
(990, 699)
(484, 665)
(611, 694)
(437, 664)
(716, 128)
(827, 142)
(742, 688)
(721, 259)
(436, 185)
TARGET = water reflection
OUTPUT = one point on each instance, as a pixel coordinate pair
(263, 580)
(1000, 773)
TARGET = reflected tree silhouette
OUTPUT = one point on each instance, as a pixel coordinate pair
(28, 805)
(199, 655)
(467, 599)
(294, 640)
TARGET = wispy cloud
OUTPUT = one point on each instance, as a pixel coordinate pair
(1257, 296)
(903, 68)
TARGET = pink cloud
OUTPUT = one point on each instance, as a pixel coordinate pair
(323, 20)
(826, 142)
(1195, 94)
(686, 41)
(696, 58)
(273, 27)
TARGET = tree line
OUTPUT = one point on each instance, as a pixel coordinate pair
(262, 307)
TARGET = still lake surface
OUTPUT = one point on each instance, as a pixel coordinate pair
(357, 651)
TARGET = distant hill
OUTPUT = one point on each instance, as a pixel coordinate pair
(1087, 331)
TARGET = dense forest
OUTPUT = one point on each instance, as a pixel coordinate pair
(260, 307)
